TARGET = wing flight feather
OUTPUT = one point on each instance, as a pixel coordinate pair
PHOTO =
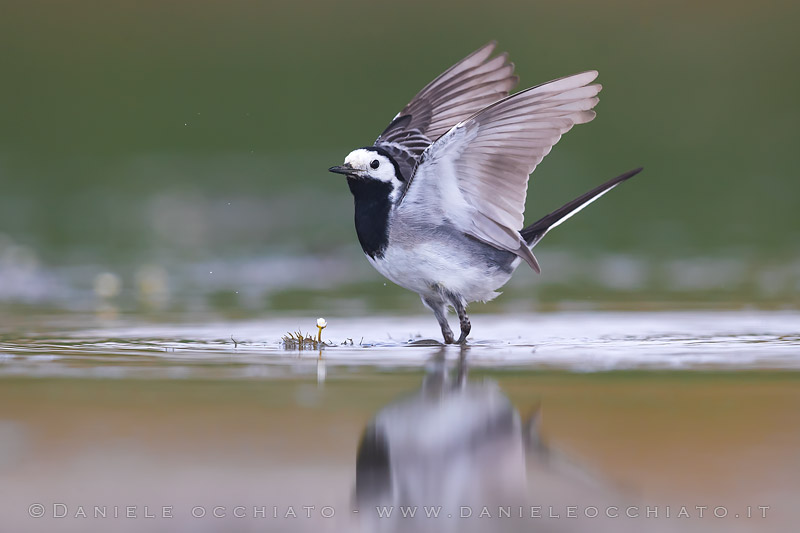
(488, 157)
(470, 85)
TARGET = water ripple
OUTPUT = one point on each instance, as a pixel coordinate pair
(580, 342)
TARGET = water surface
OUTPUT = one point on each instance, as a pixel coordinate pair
(634, 411)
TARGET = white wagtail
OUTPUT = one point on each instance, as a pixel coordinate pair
(439, 198)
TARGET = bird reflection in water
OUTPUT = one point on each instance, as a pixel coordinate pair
(452, 448)
(457, 456)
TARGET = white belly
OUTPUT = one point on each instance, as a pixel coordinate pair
(429, 267)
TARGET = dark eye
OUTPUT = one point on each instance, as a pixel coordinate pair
(375, 164)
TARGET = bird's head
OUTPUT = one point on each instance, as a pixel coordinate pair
(371, 163)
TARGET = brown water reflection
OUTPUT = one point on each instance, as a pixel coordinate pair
(272, 450)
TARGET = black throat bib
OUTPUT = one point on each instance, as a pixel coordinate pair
(372, 205)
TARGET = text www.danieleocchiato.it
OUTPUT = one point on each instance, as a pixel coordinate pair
(60, 510)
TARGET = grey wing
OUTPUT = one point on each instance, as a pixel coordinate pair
(477, 173)
(462, 90)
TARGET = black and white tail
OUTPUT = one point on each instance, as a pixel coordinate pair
(534, 233)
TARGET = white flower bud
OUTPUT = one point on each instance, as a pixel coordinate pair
(321, 323)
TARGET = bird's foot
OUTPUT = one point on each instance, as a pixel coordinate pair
(449, 338)
(466, 327)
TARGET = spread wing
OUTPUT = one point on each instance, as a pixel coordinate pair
(476, 175)
(462, 90)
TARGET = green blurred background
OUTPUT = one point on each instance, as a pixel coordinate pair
(172, 155)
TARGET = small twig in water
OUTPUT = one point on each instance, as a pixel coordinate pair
(301, 341)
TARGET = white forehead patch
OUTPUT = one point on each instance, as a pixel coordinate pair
(360, 158)
(364, 160)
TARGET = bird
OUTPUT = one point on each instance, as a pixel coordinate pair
(439, 197)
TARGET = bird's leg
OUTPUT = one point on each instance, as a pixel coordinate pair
(440, 312)
(458, 305)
